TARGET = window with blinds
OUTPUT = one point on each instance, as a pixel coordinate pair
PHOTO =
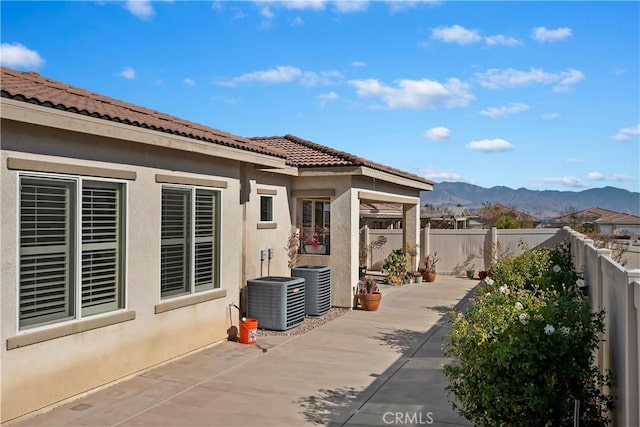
(190, 241)
(54, 283)
(101, 247)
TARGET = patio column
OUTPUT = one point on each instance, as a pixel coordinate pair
(411, 230)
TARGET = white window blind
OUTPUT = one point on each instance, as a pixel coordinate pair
(54, 244)
(46, 251)
(189, 215)
(175, 253)
(101, 247)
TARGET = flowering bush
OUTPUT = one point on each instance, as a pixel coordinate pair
(319, 236)
(525, 348)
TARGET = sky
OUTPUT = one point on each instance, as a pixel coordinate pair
(540, 95)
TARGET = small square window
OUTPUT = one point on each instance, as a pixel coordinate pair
(266, 208)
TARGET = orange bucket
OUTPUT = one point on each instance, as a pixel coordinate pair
(248, 331)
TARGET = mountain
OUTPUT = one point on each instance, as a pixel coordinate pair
(545, 203)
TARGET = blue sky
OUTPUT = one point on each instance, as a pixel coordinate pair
(541, 95)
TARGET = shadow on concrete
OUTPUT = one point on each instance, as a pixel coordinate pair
(321, 408)
(337, 407)
(442, 309)
(401, 340)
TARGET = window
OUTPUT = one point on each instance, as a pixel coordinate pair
(189, 241)
(71, 249)
(316, 225)
(266, 208)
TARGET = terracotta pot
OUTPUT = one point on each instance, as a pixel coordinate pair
(369, 302)
(429, 276)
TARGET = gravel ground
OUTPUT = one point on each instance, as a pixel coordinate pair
(309, 323)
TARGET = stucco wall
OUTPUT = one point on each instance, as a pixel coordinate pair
(43, 373)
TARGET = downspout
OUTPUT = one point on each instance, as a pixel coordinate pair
(245, 189)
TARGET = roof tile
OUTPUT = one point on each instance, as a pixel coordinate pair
(307, 154)
(33, 88)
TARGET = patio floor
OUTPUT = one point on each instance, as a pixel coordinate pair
(362, 368)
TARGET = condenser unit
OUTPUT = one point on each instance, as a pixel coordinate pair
(277, 302)
(317, 280)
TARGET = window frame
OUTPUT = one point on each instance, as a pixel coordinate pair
(193, 239)
(314, 223)
(75, 221)
(271, 208)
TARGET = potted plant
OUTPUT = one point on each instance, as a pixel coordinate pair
(364, 251)
(316, 243)
(395, 267)
(471, 272)
(417, 276)
(429, 269)
(369, 294)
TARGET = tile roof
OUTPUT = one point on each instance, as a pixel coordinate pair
(32, 88)
(600, 215)
(308, 154)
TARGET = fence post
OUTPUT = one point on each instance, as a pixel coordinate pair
(632, 358)
(604, 350)
(494, 245)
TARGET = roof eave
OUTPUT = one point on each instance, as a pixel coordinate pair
(368, 172)
(50, 117)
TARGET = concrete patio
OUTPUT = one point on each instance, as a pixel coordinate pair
(363, 368)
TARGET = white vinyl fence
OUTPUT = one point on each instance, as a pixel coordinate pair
(617, 291)
(460, 250)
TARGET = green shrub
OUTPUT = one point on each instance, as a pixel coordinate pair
(525, 348)
(395, 267)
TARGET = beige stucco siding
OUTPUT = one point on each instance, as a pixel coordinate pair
(45, 372)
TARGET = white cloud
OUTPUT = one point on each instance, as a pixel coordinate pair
(544, 35)
(19, 56)
(619, 177)
(403, 5)
(490, 145)
(574, 160)
(329, 96)
(550, 116)
(280, 74)
(439, 133)
(267, 13)
(297, 21)
(436, 174)
(189, 81)
(456, 34)
(568, 181)
(286, 74)
(349, 6)
(128, 73)
(500, 40)
(301, 4)
(416, 94)
(595, 176)
(512, 108)
(495, 78)
(311, 78)
(625, 134)
(358, 64)
(140, 8)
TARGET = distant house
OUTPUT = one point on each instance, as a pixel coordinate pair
(128, 235)
(456, 217)
(601, 220)
(491, 215)
(389, 216)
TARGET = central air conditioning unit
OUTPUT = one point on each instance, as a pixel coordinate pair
(317, 291)
(277, 302)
